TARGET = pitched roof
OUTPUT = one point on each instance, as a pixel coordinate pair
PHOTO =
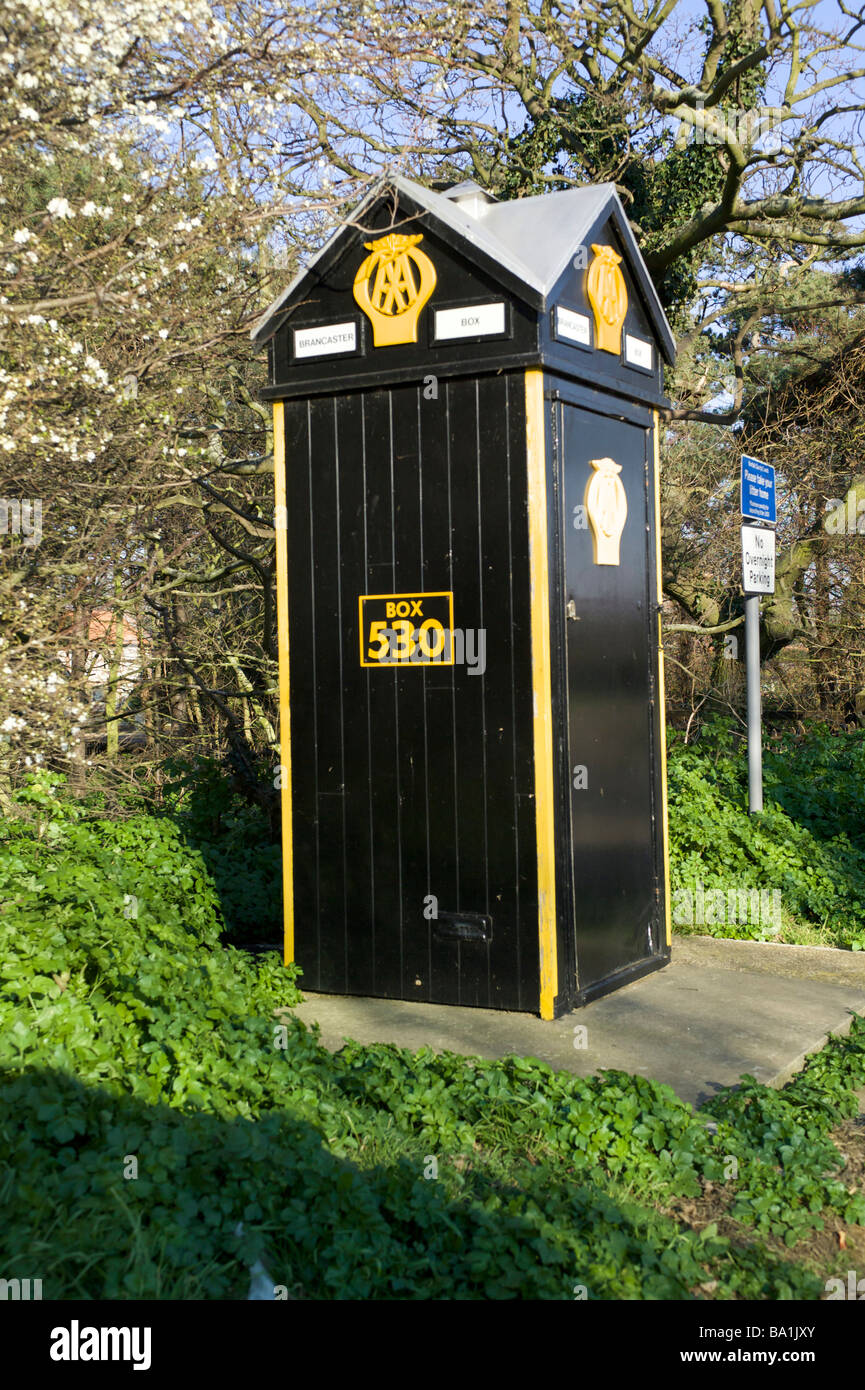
(528, 241)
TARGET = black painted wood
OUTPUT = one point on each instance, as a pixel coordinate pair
(611, 661)
(412, 786)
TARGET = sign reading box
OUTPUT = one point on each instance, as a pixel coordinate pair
(638, 353)
(573, 327)
(470, 321)
(321, 342)
(406, 629)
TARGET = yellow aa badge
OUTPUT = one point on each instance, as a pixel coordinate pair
(608, 297)
(392, 286)
(607, 509)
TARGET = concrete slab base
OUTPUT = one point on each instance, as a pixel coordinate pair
(719, 1009)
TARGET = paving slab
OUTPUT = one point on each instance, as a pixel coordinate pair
(720, 1009)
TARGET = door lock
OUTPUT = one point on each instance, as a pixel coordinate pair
(571, 611)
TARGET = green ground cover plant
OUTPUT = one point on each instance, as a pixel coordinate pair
(809, 842)
(132, 1037)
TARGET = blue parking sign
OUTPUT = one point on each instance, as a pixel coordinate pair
(758, 490)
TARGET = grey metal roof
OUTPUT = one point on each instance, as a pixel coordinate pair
(468, 186)
(532, 239)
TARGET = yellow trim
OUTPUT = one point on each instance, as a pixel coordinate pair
(662, 708)
(542, 688)
(281, 529)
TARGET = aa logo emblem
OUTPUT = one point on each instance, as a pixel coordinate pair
(607, 508)
(392, 286)
(608, 296)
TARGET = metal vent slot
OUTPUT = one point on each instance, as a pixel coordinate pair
(463, 926)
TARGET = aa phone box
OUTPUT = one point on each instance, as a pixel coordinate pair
(465, 397)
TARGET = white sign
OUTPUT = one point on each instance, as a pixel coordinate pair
(472, 321)
(319, 342)
(638, 352)
(758, 560)
(573, 326)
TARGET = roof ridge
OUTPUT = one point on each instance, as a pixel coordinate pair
(551, 239)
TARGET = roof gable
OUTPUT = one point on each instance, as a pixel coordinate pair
(526, 244)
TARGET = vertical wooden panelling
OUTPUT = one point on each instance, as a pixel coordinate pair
(442, 774)
(358, 974)
(382, 703)
(503, 577)
(412, 781)
(469, 729)
(408, 733)
(301, 615)
(326, 661)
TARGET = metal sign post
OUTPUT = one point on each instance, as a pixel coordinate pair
(758, 577)
(755, 722)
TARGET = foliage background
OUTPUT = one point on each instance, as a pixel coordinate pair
(166, 167)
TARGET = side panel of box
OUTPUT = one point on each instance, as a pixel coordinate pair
(614, 760)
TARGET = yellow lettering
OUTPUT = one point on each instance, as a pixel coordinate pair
(431, 628)
(403, 630)
(378, 633)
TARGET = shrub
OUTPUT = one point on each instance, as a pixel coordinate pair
(808, 843)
